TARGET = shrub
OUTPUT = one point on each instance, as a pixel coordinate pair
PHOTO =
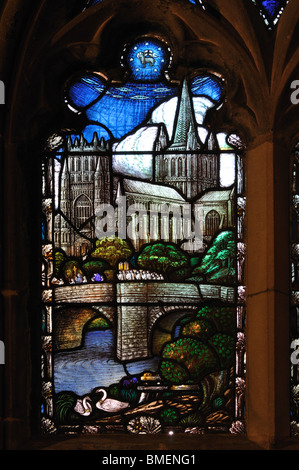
(187, 359)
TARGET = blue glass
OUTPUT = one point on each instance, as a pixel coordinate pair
(122, 108)
(207, 86)
(115, 111)
(270, 10)
(85, 91)
(197, 2)
(147, 59)
(44, 232)
(271, 6)
(89, 131)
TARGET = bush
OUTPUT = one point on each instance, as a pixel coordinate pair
(224, 346)
(169, 415)
(166, 259)
(202, 329)
(71, 270)
(112, 250)
(95, 267)
(206, 345)
(187, 359)
(173, 372)
(224, 318)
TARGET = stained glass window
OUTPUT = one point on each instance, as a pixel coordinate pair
(271, 10)
(294, 237)
(143, 319)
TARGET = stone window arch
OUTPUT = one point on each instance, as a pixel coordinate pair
(82, 210)
(212, 223)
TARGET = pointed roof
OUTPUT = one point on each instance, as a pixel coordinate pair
(219, 195)
(185, 120)
(152, 190)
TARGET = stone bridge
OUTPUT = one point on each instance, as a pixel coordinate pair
(133, 308)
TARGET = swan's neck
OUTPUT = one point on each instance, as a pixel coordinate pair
(85, 404)
(101, 390)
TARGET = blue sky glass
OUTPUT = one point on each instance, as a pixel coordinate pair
(115, 111)
(271, 6)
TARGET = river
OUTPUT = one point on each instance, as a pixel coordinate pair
(94, 365)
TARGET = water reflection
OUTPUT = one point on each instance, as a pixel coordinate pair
(94, 365)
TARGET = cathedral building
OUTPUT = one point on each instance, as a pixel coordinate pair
(157, 214)
(182, 170)
(183, 164)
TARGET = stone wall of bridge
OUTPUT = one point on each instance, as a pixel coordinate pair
(132, 308)
(137, 313)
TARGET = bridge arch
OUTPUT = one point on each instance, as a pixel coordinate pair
(162, 323)
(70, 324)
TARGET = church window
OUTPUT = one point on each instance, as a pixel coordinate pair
(82, 210)
(212, 223)
(157, 346)
(180, 166)
(173, 167)
(271, 10)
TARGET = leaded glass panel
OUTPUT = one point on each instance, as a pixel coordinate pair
(143, 239)
(271, 10)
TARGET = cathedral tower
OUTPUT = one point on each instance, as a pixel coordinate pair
(184, 164)
(85, 184)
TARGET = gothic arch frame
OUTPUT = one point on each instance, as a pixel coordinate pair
(215, 215)
(267, 418)
(75, 205)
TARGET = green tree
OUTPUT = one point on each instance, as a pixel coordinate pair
(224, 346)
(218, 264)
(187, 360)
(95, 267)
(112, 249)
(164, 258)
(199, 328)
(223, 317)
(99, 323)
(72, 269)
(206, 345)
(59, 258)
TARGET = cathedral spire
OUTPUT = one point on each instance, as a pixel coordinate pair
(185, 123)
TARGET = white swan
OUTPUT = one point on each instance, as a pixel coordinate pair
(83, 406)
(110, 404)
